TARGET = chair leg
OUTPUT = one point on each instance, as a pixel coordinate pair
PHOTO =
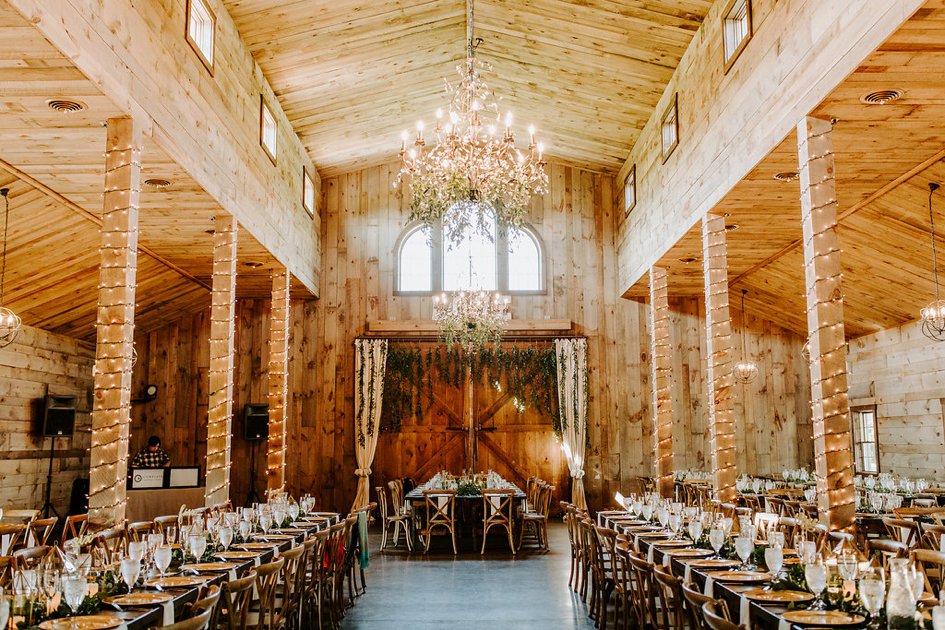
(396, 533)
(511, 541)
(453, 534)
(485, 533)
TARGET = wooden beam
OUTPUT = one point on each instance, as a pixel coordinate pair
(278, 380)
(504, 457)
(111, 410)
(74, 207)
(222, 327)
(662, 375)
(799, 52)
(719, 353)
(430, 327)
(432, 461)
(830, 404)
(208, 126)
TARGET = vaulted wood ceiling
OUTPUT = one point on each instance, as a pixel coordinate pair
(885, 157)
(352, 74)
(53, 162)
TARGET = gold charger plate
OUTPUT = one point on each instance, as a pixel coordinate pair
(177, 581)
(290, 530)
(741, 576)
(822, 618)
(264, 546)
(666, 544)
(141, 598)
(691, 553)
(273, 537)
(713, 563)
(654, 535)
(306, 524)
(237, 555)
(642, 528)
(210, 566)
(86, 622)
(777, 597)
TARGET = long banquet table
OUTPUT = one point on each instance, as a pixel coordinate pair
(147, 616)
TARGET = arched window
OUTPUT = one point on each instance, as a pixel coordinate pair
(511, 261)
(415, 260)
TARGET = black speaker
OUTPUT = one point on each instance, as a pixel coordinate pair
(256, 421)
(58, 416)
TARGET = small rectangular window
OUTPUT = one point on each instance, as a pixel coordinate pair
(267, 129)
(670, 129)
(865, 440)
(200, 30)
(630, 191)
(736, 29)
(308, 192)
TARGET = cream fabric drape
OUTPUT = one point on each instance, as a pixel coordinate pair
(370, 361)
(571, 355)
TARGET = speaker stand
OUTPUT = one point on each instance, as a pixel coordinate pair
(252, 497)
(47, 505)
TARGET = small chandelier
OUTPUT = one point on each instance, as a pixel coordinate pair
(474, 170)
(744, 371)
(9, 321)
(933, 315)
(473, 318)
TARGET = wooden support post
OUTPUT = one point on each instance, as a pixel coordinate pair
(278, 379)
(719, 352)
(830, 405)
(662, 405)
(111, 410)
(222, 325)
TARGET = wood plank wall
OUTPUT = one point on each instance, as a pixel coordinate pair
(902, 373)
(37, 363)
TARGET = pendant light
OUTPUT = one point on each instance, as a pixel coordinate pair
(933, 315)
(745, 371)
(9, 321)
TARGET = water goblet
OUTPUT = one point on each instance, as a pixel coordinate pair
(695, 531)
(675, 524)
(74, 588)
(294, 511)
(872, 594)
(226, 537)
(776, 539)
(847, 566)
(816, 575)
(717, 539)
(807, 550)
(774, 559)
(162, 557)
(130, 569)
(136, 550)
(198, 545)
(662, 514)
(744, 546)
(246, 528)
(265, 521)
(647, 511)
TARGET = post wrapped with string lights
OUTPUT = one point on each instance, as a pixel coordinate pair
(222, 325)
(111, 406)
(278, 380)
(830, 404)
(720, 353)
(662, 403)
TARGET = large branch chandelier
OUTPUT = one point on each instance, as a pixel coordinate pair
(933, 315)
(474, 172)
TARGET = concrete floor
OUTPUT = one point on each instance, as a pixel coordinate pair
(498, 590)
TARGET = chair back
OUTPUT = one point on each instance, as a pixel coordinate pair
(643, 598)
(382, 503)
(76, 525)
(139, 531)
(693, 601)
(775, 505)
(397, 496)
(234, 602)
(7, 567)
(440, 506)
(209, 600)
(200, 621)
(498, 506)
(12, 536)
(716, 620)
(267, 579)
(903, 530)
(40, 529)
(932, 565)
(169, 526)
(932, 537)
(30, 557)
(291, 596)
(110, 544)
(671, 596)
(884, 549)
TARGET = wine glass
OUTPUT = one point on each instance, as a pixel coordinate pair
(162, 557)
(807, 550)
(246, 528)
(647, 511)
(294, 511)
(816, 575)
(695, 531)
(872, 594)
(50, 584)
(717, 539)
(726, 525)
(74, 588)
(136, 550)
(265, 521)
(226, 537)
(774, 559)
(130, 569)
(198, 545)
(675, 524)
(744, 546)
(847, 566)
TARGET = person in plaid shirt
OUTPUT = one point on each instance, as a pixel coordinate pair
(152, 456)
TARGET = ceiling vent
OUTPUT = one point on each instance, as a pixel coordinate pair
(157, 182)
(881, 97)
(65, 105)
(786, 176)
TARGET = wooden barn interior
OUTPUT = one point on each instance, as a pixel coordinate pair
(208, 231)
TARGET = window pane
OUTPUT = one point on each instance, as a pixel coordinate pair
(268, 130)
(471, 263)
(200, 28)
(416, 262)
(524, 262)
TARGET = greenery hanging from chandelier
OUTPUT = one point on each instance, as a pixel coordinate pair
(526, 373)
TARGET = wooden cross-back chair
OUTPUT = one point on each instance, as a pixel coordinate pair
(75, 526)
(169, 527)
(440, 514)
(932, 565)
(715, 620)
(234, 602)
(538, 518)
(12, 536)
(267, 578)
(200, 620)
(30, 557)
(692, 606)
(607, 547)
(41, 529)
(644, 592)
(669, 588)
(139, 531)
(110, 544)
(498, 507)
(884, 549)
(7, 567)
(400, 516)
(904, 530)
(397, 520)
(932, 537)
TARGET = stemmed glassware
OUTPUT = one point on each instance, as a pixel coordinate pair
(198, 545)
(246, 528)
(265, 521)
(695, 530)
(225, 535)
(816, 575)
(744, 546)
(74, 588)
(774, 560)
(872, 594)
(717, 538)
(675, 524)
(130, 570)
(162, 557)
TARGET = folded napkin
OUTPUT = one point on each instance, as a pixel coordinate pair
(709, 591)
(231, 574)
(783, 624)
(168, 612)
(649, 554)
(275, 552)
(744, 612)
(255, 561)
(687, 576)
(667, 560)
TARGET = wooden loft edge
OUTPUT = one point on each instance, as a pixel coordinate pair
(426, 328)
